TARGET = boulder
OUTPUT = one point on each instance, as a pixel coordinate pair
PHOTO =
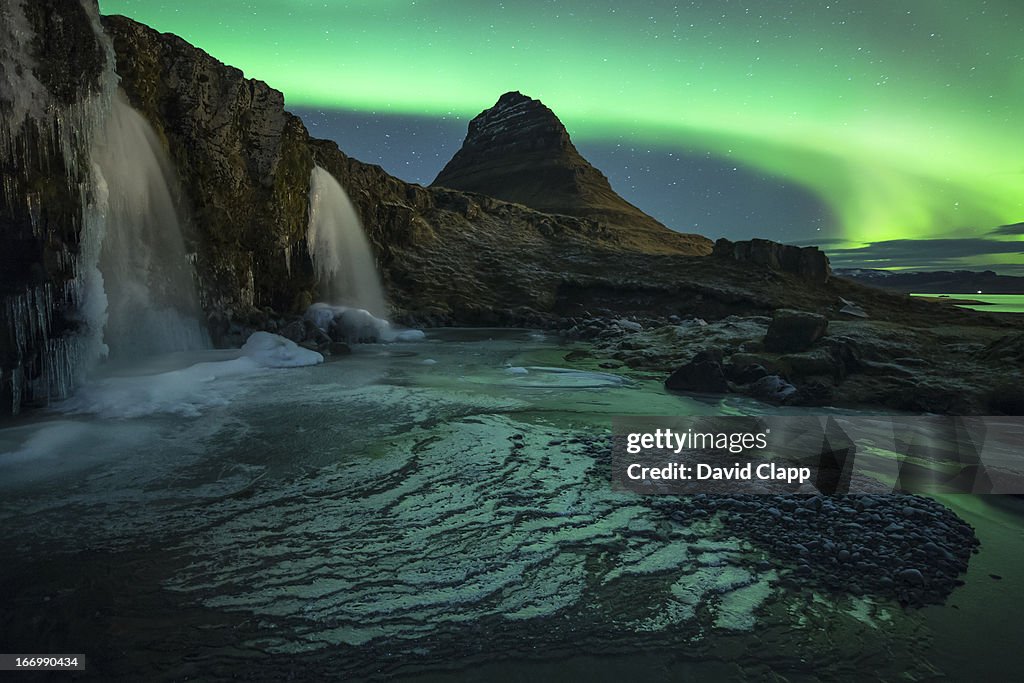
(746, 374)
(772, 388)
(794, 331)
(703, 373)
(295, 331)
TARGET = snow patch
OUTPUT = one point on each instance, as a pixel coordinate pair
(186, 391)
(274, 351)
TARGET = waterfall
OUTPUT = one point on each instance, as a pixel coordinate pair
(92, 258)
(341, 254)
(152, 305)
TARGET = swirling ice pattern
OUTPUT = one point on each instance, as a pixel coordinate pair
(479, 519)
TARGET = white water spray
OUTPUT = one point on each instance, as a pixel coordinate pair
(341, 253)
(152, 306)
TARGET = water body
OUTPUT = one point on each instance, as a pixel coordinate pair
(992, 303)
(432, 510)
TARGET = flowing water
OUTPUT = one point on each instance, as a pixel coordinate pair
(152, 305)
(435, 510)
(341, 253)
(130, 289)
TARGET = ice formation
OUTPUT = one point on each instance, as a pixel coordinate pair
(357, 325)
(187, 391)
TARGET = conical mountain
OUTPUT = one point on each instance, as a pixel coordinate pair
(520, 152)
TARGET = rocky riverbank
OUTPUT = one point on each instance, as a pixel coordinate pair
(803, 358)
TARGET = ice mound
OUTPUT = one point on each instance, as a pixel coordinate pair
(357, 325)
(274, 351)
(186, 391)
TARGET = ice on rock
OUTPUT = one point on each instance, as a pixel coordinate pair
(357, 325)
(406, 335)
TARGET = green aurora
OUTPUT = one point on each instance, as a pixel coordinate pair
(902, 115)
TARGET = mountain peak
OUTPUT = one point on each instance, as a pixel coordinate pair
(519, 151)
(513, 120)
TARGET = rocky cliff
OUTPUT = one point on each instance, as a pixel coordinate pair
(53, 63)
(243, 162)
(519, 151)
(445, 255)
(807, 263)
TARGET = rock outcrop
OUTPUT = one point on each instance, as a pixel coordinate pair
(520, 152)
(243, 161)
(807, 263)
(47, 112)
(792, 331)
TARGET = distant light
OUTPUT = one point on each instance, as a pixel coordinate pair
(979, 291)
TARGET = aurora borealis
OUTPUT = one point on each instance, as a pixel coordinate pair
(901, 117)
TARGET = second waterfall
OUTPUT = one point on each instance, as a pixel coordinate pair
(341, 253)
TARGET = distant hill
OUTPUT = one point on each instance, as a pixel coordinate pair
(519, 151)
(936, 282)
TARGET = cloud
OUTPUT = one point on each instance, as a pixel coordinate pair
(1011, 229)
(937, 254)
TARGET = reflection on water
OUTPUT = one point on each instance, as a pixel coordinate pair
(416, 510)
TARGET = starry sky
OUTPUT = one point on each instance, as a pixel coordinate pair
(887, 131)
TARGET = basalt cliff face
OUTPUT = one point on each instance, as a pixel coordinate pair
(446, 255)
(519, 151)
(52, 67)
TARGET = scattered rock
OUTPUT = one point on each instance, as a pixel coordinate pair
(296, 331)
(747, 374)
(629, 325)
(850, 308)
(911, 576)
(704, 373)
(792, 331)
(772, 388)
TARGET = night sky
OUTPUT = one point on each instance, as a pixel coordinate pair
(887, 131)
